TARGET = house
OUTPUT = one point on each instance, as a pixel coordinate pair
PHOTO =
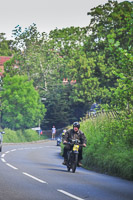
(72, 82)
(3, 59)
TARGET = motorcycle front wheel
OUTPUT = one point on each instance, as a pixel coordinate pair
(74, 165)
(68, 169)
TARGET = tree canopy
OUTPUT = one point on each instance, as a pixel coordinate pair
(96, 61)
(6, 48)
(21, 105)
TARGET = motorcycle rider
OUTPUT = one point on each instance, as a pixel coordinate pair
(74, 133)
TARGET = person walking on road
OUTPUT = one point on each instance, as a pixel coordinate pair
(53, 132)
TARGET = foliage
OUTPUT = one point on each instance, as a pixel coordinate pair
(6, 46)
(19, 136)
(21, 106)
(110, 24)
(109, 145)
(122, 94)
(47, 66)
(98, 57)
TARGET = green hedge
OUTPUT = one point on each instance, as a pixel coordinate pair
(19, 136)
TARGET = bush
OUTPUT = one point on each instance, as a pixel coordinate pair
(19, 136)
(109, 146)
(11, 136)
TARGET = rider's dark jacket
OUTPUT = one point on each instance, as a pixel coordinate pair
(71, 134)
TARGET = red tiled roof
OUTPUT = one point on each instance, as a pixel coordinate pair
(4, 59)
(65, 81)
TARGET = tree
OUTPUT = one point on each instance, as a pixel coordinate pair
(21, 105)
(110, 24)
(6, 46)
(46, 61)
(122, 93)
(58, 107)
(90, 56)
(37, 58)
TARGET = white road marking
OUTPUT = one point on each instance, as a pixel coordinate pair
(20, 149)
(3, 155)
(33, 177)
(37, 179)
(13, 149)
(51, 147)
(7, 152)
(3, 160)
(11, 166)
(70, 195)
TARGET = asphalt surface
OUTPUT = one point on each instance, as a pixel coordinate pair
(34, 171)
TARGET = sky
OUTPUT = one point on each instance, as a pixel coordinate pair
(46, 14)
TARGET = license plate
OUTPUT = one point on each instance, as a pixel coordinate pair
(75, 147)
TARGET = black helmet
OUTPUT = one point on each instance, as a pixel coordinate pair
(76, 124)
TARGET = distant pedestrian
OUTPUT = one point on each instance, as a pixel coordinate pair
(41, 132)
(53, 132)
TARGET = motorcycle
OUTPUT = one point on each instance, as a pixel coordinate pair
(59, 141)
(72, 155)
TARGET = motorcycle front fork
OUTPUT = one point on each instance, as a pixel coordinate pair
(71, 158)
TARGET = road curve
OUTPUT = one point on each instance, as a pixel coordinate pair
(35, 172)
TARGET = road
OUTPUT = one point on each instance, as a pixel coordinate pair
(35, 172)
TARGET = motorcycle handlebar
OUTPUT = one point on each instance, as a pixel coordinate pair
(69, 143)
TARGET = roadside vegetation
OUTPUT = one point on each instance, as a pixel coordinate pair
(20, 136)
(109, 146)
